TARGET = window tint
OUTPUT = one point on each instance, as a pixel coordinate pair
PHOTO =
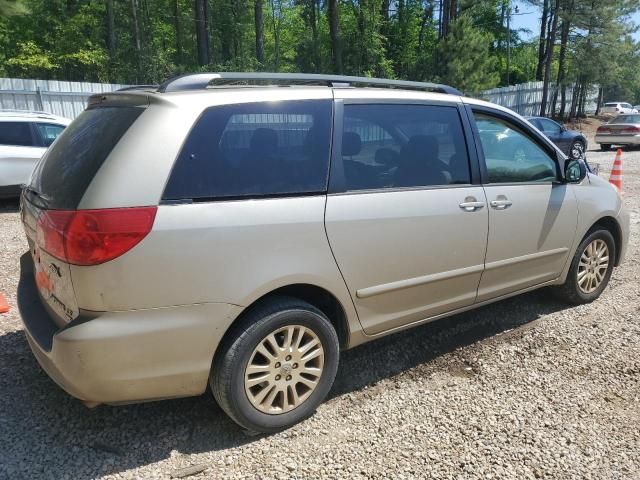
(510, 155)
(67, 168)
(549, 126)
(255, 149)
(49, 132)
(16, 133)
(610, 104)
(394, 146)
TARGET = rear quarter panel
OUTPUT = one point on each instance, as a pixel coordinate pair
(219, 252)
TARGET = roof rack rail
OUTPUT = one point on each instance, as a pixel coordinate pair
(31, 112)
(137, 87)
(199, 81)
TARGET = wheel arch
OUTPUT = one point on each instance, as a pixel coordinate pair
(612, 226)
(319, 297)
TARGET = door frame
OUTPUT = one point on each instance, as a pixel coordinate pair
(543, 142)
(336, 167)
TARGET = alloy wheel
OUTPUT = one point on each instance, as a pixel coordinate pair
(284, 369)
(593, 266)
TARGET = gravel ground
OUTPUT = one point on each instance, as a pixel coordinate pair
(525, 388)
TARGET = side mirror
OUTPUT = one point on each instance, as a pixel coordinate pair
(575, 170)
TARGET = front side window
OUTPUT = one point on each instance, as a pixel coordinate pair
(16, 134)
(550, 127)
(255, 149)
(510, 155)
(397, 146)
(49, 132)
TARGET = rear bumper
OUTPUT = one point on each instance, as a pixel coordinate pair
(122, 357)
(618, 139)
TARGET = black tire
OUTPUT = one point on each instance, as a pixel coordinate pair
(577, 144)
(605, 147)
(230, 362)
(570, 290)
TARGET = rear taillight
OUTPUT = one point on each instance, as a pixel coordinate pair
(603, 130)
(91, 237)
(631, 130)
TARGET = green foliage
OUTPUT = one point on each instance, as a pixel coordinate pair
(468, 63)
(154, 39)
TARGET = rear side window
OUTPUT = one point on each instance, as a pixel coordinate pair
(253, 150)
(397, 146)
(67, 168)
(16, 133)
(49, 132)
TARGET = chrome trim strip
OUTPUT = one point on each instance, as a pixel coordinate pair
(414, 282)
(524, 258)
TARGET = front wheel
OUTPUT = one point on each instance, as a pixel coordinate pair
(276, 366)
(590, 270)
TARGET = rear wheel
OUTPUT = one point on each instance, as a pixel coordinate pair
(605, 147)
(276, 366)
(590, 270)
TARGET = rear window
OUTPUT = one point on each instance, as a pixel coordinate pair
(627, 119)
(253, 150)
(67, 168)
(610, 104)
(16, 134)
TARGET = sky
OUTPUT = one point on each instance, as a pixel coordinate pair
(529, 18)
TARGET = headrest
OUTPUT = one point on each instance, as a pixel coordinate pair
(422, 145)
(351, 143)
(264, 140)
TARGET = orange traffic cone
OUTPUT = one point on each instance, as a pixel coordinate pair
(615, 178)
(4, 306)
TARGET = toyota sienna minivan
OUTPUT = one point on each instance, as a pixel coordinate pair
(237, 231)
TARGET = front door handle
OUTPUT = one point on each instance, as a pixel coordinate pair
(501, 204)
(471, 205)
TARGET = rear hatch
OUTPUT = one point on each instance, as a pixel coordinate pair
(58, 233)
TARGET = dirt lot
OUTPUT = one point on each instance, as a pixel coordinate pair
(526, 388)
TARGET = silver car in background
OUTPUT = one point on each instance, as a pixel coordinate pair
(624, 130)
(24, 137)
(217, 232)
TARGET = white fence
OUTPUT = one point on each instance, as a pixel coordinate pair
(526, 98)
(66, 99)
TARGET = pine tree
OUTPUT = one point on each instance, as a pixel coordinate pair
(467, 61)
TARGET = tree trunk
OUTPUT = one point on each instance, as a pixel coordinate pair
(259, 20)
(315, 41)
(202, 32)
(599, 101)
(277, 12)
(334, 31)
(136, 36)
(111, 29)
(542, 42)
(564, 37)
(178, 31)
(549, 57)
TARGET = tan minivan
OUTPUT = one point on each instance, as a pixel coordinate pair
(239, 230)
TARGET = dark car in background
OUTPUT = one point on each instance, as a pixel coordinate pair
(572, 143)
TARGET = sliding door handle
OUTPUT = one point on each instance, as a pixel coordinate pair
(500, 204)
(471, 206)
